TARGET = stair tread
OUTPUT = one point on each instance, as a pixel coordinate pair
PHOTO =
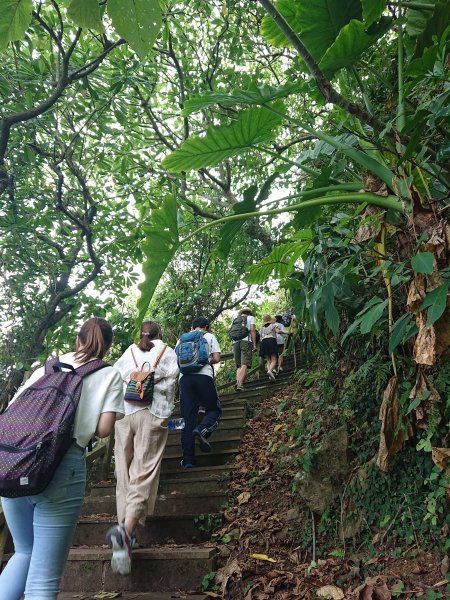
(136, 595)
(154, 553)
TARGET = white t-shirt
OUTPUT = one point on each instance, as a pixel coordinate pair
(281, 338)
(165, 377)
(102, 392)
(213, 346)
(250, 321)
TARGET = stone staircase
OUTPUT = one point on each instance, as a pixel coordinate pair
(176, 550)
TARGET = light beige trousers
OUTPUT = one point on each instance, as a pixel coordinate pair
(140, 439)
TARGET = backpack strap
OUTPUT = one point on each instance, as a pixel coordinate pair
(91, 367)
(49, 364)
(159, 357)
(134, 358)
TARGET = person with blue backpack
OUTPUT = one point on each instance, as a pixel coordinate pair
(57, 411)
(198, 350)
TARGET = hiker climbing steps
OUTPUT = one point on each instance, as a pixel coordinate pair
(175, 549)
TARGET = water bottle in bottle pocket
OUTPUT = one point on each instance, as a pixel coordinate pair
(174, 424)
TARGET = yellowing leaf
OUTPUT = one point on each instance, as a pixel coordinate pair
(277, 427)
(300, 412)
(262, 557)
(243, 498)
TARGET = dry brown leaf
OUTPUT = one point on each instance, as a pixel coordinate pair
(425, 344)
(231, 570)
(441, 457)
(390, 413)
(416, 293)
(442, 329)
(427, 407)
(330, 591)
(374, 588)
(243, 498)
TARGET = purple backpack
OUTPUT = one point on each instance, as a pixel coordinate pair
(36, 430)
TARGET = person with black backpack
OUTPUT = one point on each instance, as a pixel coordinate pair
(55, 414)
(243, 335)
(149, 371)
(197, 351)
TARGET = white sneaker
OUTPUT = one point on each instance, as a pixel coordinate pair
(121, 543)
(271, 375)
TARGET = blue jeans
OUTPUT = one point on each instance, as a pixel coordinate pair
(197, 390)
(42, 528)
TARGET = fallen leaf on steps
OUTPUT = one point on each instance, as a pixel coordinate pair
(243, 498)
(103, 595)
(262, 557)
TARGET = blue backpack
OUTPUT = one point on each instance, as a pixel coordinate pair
(192, 351)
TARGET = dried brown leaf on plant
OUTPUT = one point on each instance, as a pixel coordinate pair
(441, 458)
(423, 388)
(416, 293)
(425, 344)
(374, 588)
(442, 330)
(393, 434)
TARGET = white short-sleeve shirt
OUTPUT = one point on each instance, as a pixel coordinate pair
(102, 392)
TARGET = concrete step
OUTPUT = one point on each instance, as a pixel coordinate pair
(153, 569)
(176, 484)
(138, 596)
(217, 445)
(188, 503)
(221, 433)
(177, 472)
(169, 529)
(203, 460)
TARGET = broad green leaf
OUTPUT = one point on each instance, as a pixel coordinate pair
(86, 13)
(417, 18)
(404, 328)
(436, 25)
(372, 10)
(252, 127)
(230, 229)
(276, 264)
(15, 18)
(417, 401)
(253, 95)
(159, 247)
(270, 30)
(137, 21)
(423, 263)
(372, 316)
(331, 313)
(353, 40)
(435, 301)
(321, 21)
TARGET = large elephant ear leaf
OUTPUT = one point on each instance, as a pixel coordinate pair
(159, 247)
(15, 18)
(270, 30)
(252, 127)
(322, 20)
(137, 21)
(372, 10)
(352, 41)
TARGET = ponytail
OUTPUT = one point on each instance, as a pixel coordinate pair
(149, 331)
(95, 338)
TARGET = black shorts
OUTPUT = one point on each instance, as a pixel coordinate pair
(268, 347)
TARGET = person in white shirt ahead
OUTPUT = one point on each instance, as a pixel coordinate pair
(243, 349)
(199, 389)
(42, 525)
(140, 440)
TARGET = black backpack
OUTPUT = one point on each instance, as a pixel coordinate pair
(36, 430)
(238, 330)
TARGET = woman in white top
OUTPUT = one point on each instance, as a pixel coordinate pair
(268, 348)
(140, 440)
(42, 525)
(282, 335)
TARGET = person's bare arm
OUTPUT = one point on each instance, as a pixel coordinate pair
(253, 335)
(105, 424)
(214, 358)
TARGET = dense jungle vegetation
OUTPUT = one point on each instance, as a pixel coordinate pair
(166, 137)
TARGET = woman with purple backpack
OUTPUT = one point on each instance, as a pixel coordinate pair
(42, 525)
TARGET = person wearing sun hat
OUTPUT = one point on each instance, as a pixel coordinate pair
(268, 348)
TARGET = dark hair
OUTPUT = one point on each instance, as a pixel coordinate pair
(202, 322)
(279, 318)
(154, 331)
(95, 337)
